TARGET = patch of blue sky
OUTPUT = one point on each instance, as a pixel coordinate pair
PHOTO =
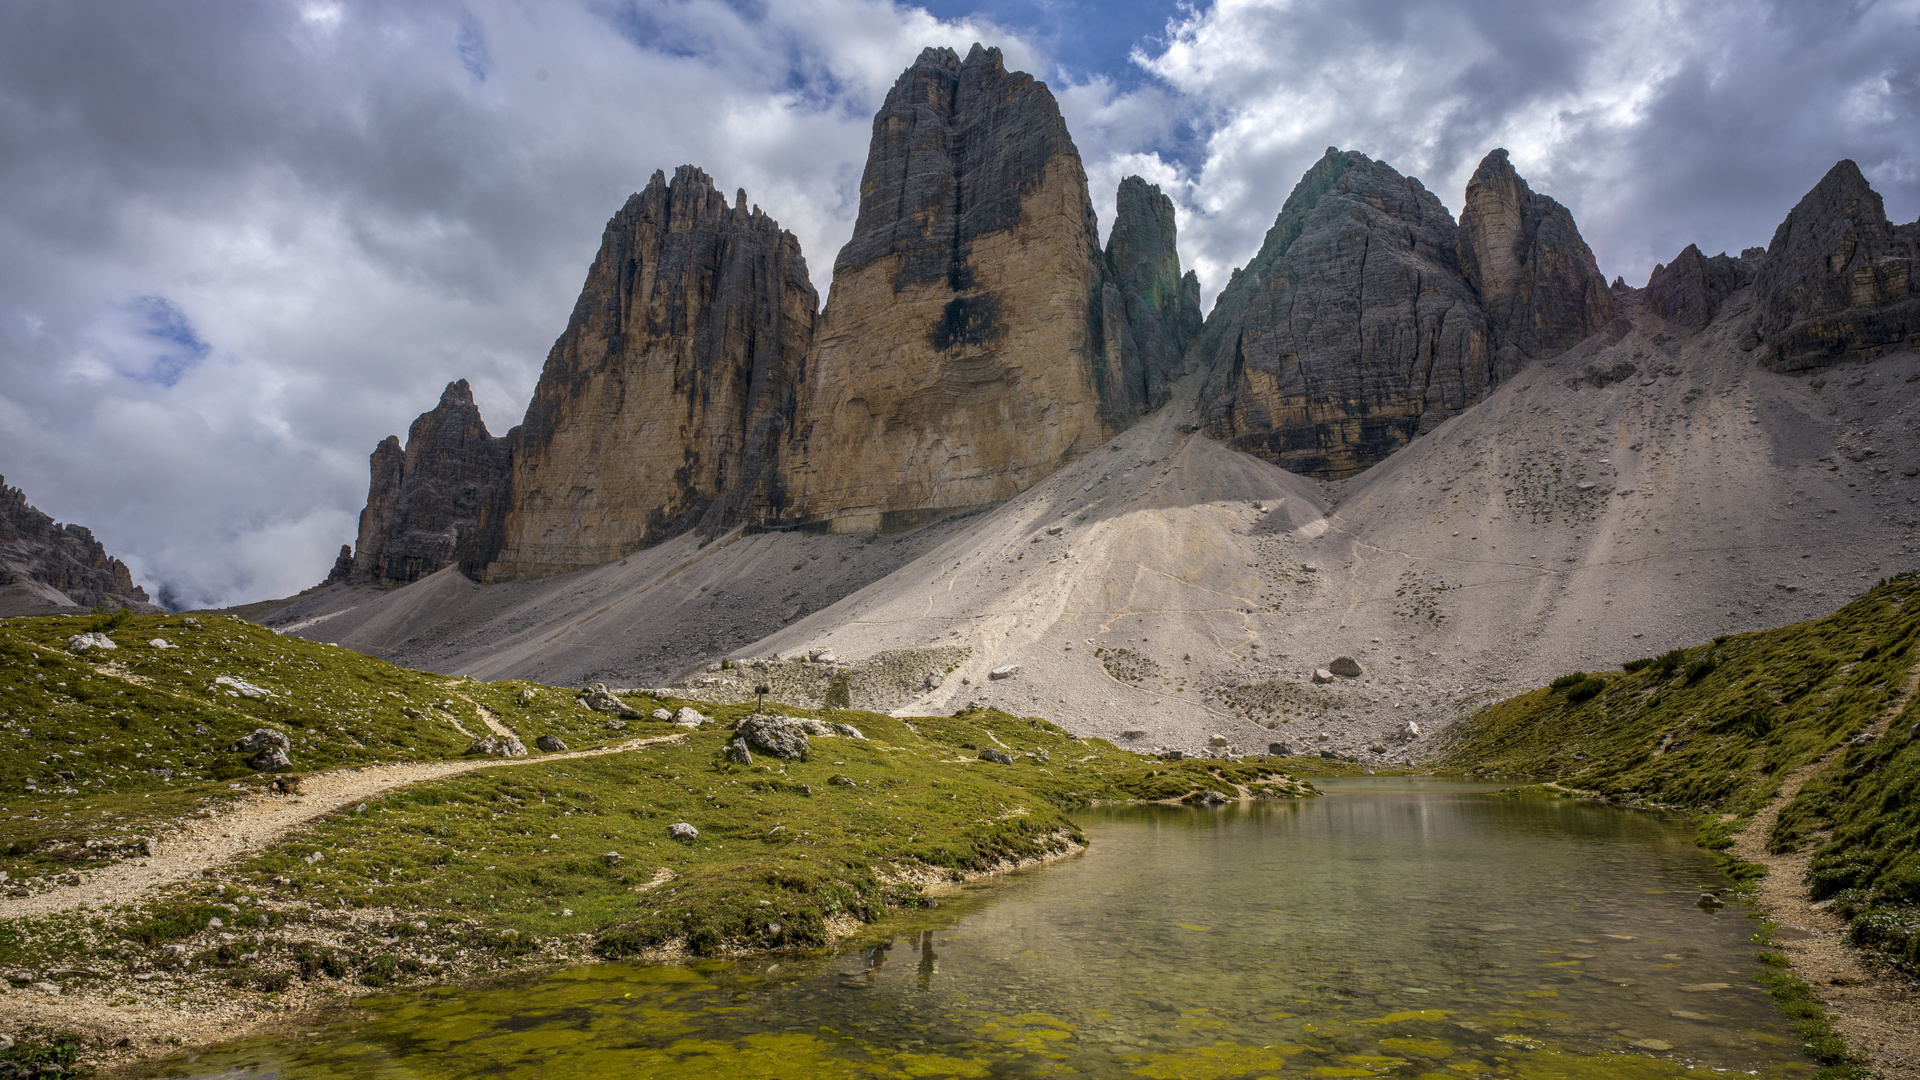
(1085, 38)
(161, 321)
(641, 27)
(470, 45)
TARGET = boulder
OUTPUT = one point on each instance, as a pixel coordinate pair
(1004, 671)
(551, 744)
(1207, 798)
(1345, 666)
(689, 717)
(261, 739)
(776, 735)
(680, 830)
(662, 714)
(271, 759)
(242, 687)
(849, 731)
(738, 753)
(1410, 730)
(998, 757)
(933, 680)
(1322, 675)
(1280, 749)
(600, 699)
(90, 640)
(616, 725)
(508, 746)
(161, 643)
(1216, 740)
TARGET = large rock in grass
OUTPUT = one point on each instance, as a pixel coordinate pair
(507, 746)
(774, 735)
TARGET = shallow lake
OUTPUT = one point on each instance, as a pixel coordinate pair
(1404, 928)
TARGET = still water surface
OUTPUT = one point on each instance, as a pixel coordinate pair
(1403, 928)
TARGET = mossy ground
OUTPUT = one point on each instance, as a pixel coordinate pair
(541, 860)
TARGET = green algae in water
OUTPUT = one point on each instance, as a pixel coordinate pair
(1394, 928)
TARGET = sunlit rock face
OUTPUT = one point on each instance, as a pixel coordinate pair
(671, 388)
(963, 354)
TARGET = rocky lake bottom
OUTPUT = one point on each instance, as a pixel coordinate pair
(1395, 927)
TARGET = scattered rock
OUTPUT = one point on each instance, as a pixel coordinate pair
(933, 680)
(823, 657)
(842, 781)
(998, 757)
(527, 695)
(161, 643)
(680, 830)
(776, 735)
(600, 699)
(261, 739)
(1207, 798)
(662, 714)
(738, 753)
(1322, 675)
(612, 858)
(552, 744)
(242, 687)
(849, 731)
(687, 716)
(1004, 671)
(1280, 749)
(616, 725)
(83, 642)
(1345, 667)
(1411, 730)
(1133, 733)
(49, 988)
(498, 746)
(1216, 740)
(272, 759)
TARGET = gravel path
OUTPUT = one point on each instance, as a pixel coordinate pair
(201, 844)
(1876, 1013)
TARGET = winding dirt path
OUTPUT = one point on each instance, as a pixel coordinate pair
(1879, 1014)
(201, 844)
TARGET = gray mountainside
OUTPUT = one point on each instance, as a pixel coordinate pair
(45, 565)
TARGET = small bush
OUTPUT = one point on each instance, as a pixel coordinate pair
(274, 981)
(1565, 681)
(1636, 665)
(1700, 669)
(1669, 662)
(170, 921)
(1585, 689)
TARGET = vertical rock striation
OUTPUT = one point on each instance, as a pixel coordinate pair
(425, 502)
(1368, 316)
(1536, 278)
(1150, 311)
(1838, 282)
(1352, 330)
(962, 355)
(671, 388)
(45, 564)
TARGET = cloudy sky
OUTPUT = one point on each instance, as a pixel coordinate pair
(242, 241)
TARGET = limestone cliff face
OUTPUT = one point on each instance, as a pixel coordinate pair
(1689, 290)
(1838, 282)
(672, 387)
(1536, 278)
(1352, 330)
(45, 564)
(962, 354)
(426, 501)
(1150, 311)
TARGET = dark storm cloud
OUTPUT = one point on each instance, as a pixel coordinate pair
(244, 241)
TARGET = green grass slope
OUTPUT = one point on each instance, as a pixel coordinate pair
(1718, 727)
(554, 859)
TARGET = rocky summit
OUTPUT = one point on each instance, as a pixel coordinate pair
(974, 340)
(1369, 316)
(671, 388)
(46, 566)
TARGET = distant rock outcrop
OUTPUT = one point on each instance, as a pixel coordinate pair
(1838, 282)
(671, 387)
(425, 502)
(1537, 279)
(1150, 311)
(1689, 290)
(1368, 316)
(960, 357)
(48, 565)
(1352, 330)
